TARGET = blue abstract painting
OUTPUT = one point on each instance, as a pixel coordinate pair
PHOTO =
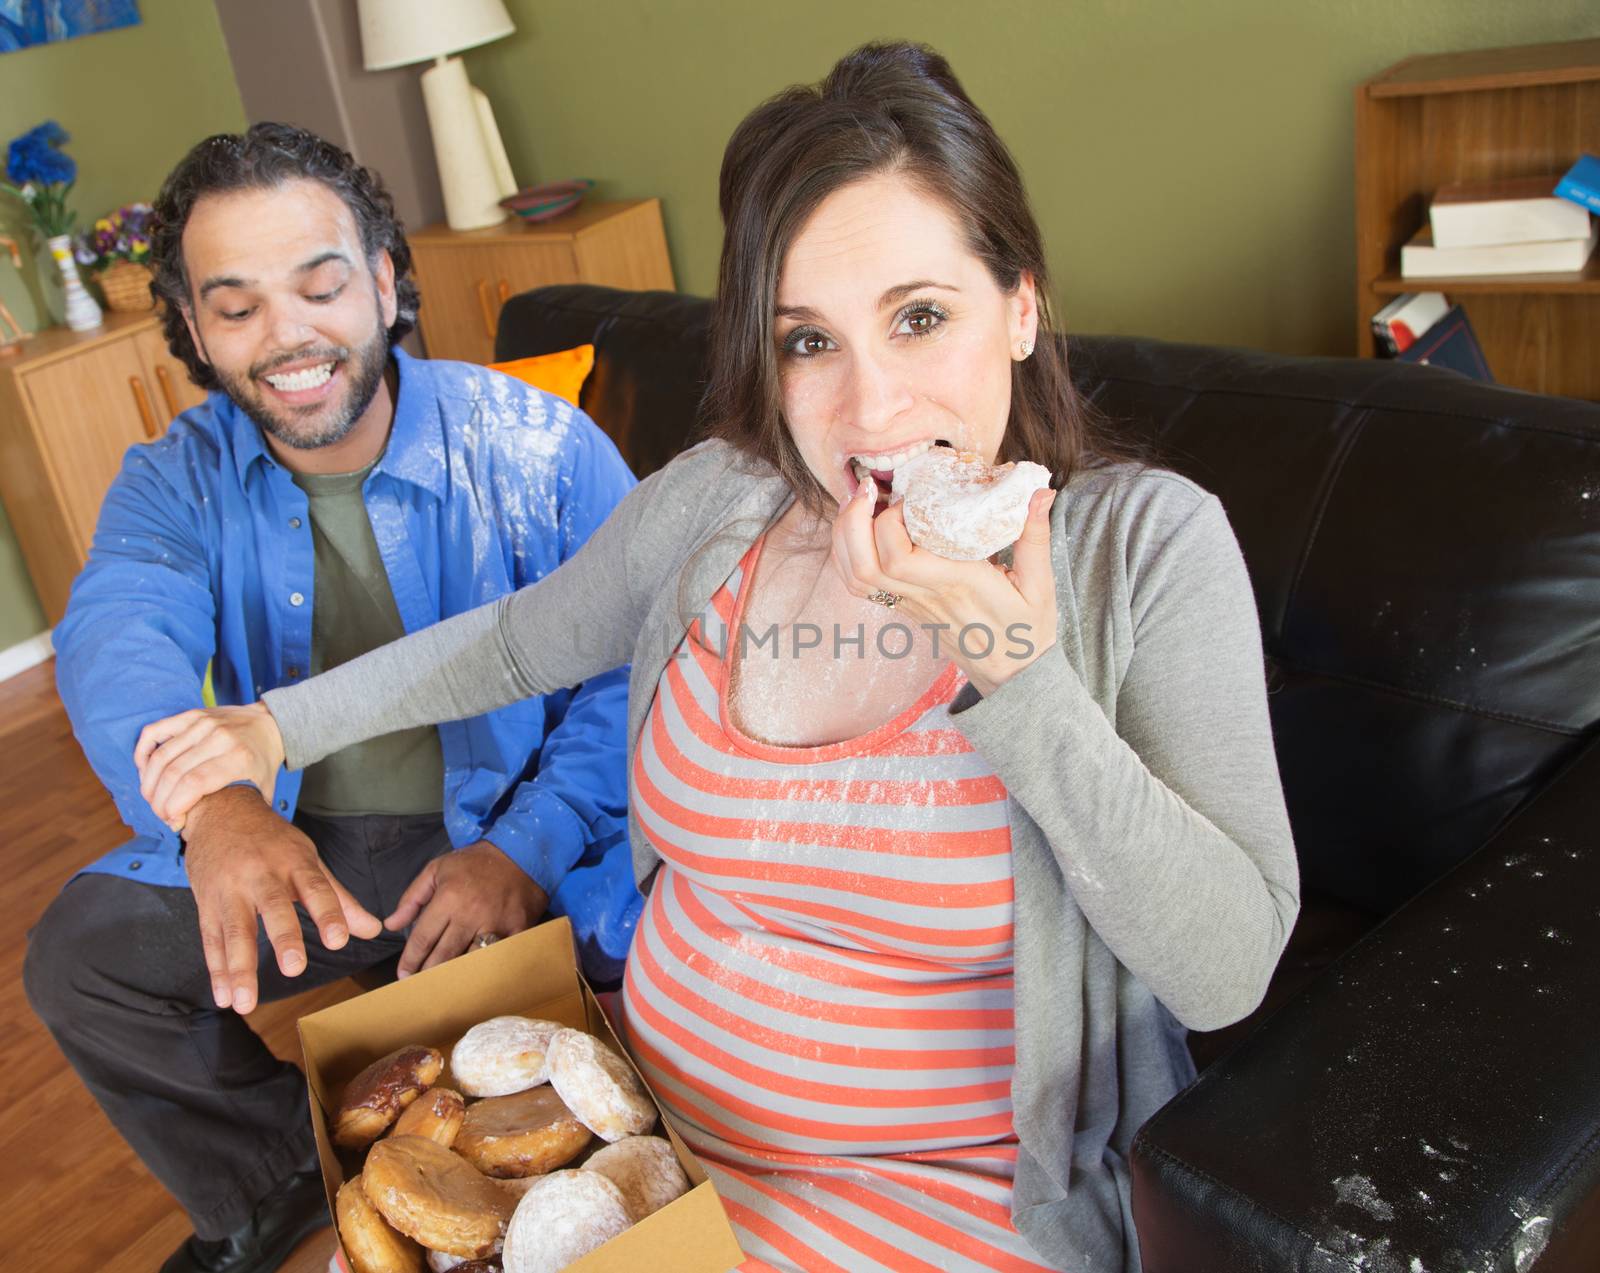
(24, 23)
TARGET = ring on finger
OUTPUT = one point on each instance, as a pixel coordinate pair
(484, 939)
(888, 600)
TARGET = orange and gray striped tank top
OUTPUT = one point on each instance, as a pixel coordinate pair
(820, 987)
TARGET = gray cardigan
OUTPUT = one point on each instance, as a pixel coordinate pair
(1155, 875)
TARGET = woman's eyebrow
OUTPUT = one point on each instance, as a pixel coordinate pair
(893, 296)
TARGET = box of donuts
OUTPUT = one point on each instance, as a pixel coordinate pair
(482, 1116)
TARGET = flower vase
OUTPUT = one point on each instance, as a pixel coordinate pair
(82, 312)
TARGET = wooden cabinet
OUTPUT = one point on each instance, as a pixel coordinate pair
(71, 404)
(1487, 114)
(466, 276)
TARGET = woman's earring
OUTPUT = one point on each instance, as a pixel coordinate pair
(1026, 350)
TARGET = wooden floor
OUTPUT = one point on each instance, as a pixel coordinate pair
(75, 1196)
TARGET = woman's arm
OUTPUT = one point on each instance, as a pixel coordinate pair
(1170, 828)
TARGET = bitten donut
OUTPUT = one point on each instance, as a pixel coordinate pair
(375, 1097)
(599, 1086)
(564, 1216)
(373, 1247)
(524, 1134)
(436, 1114)
(645, 1169)
(957, 506)
(502, 1055)
(439, 1262)
(436, 1197)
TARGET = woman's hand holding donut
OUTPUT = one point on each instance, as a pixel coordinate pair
(194, 753)
(996, 621)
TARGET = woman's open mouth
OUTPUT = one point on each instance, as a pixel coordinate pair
(880, 469)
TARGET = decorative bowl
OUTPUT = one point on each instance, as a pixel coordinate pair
(541, 203)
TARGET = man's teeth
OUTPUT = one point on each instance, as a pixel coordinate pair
(305, 378)
(864, 464)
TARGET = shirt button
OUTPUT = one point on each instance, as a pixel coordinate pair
(291, 672)
(297, 599)
(282, 805)
(134, 866)
(294, 523)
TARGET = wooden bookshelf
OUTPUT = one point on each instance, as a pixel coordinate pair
(1478, 116)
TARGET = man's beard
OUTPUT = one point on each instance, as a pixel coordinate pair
(363, 368)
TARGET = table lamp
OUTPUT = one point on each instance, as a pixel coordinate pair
(473, 168)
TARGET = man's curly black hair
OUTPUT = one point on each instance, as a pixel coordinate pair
(266, 156)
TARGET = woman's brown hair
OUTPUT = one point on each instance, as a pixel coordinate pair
(885, 108)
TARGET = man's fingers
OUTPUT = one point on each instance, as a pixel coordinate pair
(451, 943)
(283, 930)
(417, 895)
(239, 952)
(357, 918)
(429, 928)
(216, 957)
(317, 895)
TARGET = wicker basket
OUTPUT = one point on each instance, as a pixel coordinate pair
(126, 287)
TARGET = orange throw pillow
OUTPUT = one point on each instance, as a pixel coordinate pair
(560, 373)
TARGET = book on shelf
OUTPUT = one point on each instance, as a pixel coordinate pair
(1399, 323)
(1420, 258)
(1582, 183)
(1450, 343)
(1519, 210)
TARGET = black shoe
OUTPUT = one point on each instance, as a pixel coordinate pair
(286, 1215)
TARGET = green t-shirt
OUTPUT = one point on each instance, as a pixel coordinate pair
(353, 612)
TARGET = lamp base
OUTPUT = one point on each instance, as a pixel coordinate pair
(472, 187)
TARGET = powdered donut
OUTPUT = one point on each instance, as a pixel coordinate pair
(599, 1086)
(373, 1247)
(436, 1197)
(564, 1216)
(436, 1114)
(502, 1055)
(439, 1262)
(957, 506)
(524, 1134)
(645, 1169)
(375, 1097)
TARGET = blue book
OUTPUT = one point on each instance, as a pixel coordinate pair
(1582, 183)
(1450, 343)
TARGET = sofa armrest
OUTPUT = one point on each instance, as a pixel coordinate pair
(1431, 1103)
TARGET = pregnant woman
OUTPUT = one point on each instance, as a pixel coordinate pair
(942, 857)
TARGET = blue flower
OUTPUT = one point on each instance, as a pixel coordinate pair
(34, 156)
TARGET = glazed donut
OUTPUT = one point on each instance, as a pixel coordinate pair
(374, 1098)
(957, 506)
(373, 1247)
(436, 1114)
(524, 1134)
(564, 1216)
(599, 1086)
(516, 1186)
(436, 1197)
(645, 1169)
(502, 1055)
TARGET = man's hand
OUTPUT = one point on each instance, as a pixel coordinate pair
(460, 896)
(244, 861)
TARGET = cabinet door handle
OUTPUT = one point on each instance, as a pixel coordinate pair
(165, 381)
(483, 305)
(142, 400)
(505, 291)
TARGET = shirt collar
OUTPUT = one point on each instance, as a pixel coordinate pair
(416, 438)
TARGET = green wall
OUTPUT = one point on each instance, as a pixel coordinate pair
(1190, 162)
(134, 100)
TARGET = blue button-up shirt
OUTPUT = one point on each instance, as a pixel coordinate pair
(203, 553)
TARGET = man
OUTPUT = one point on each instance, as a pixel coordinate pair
(332, 495)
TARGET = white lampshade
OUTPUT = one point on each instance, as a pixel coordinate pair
(400, 32)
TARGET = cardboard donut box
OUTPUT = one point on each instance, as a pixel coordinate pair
(533, 974)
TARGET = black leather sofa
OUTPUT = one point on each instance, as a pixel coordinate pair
(1421, 1091)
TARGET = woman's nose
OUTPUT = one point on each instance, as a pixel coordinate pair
(876, 392)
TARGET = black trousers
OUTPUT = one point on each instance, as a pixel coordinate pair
(115, 970)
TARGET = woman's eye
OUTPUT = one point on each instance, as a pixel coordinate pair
(922, 320)
(806, 342)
